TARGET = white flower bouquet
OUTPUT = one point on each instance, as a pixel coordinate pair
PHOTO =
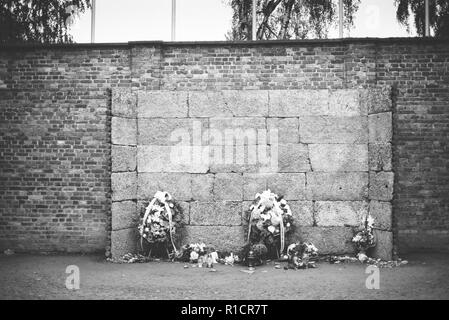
(301, 255)
(198, 253)
(364, 238)
(268, 221)
(192, 252)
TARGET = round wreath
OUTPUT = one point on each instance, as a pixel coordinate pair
(268, 221)
(161, 220)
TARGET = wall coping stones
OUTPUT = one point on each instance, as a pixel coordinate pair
(305, 42)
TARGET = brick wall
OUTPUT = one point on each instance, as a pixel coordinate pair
(421, 149)
(55, 146)
(59, 93)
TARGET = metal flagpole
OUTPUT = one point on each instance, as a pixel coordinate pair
(173, 20)
(427, 19)
(340, 18)
(92, 23)
(254, 35)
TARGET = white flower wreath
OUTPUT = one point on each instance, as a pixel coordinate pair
(161, 219)
(271, 213)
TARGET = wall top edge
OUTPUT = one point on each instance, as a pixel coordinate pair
(130, 44)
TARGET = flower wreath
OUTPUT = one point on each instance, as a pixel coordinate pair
(269, 219)
(161, 220)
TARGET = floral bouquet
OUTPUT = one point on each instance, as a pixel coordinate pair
(260, 252)
(160, 222)
(364, 239)
(301, 255)
(198, 253)
(191, 252)
(302, 248)
(268, 220)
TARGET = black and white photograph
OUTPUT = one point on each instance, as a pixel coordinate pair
(221, 156)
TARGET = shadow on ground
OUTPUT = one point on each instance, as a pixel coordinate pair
(43, 277)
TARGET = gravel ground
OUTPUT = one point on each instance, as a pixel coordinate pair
(43, 277)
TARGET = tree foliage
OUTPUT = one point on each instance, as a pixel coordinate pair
(288, 19)
(438, 15)
(38, 21)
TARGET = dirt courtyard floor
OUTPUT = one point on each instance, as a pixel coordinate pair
(43, 277)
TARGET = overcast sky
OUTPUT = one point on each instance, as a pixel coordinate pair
(200, 20)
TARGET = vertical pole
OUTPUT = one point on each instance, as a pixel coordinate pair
(92, 23)
(173, 20)
(427, 19)
(340, 18)
(254, 24)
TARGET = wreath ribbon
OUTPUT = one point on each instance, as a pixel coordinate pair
(282, 235)
(170, 222)
(148, 210)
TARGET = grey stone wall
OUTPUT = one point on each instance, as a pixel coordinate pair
(381, 177)
(334, 162)
(124, 172)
